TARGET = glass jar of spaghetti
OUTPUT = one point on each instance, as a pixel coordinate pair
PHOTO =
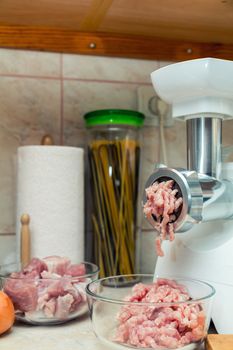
(114, 139)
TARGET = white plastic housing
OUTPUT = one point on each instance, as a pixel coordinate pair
(197, 86)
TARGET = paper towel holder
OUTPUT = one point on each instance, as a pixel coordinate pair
(47, 140)
(25, 248)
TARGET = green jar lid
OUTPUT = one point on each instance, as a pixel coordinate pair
(114, 116)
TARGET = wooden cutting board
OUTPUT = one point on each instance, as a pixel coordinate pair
(219, 342)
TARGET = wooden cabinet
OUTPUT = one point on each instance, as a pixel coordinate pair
(150, 29)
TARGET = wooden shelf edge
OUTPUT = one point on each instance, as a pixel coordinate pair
(108, 44)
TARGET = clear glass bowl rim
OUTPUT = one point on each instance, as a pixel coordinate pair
(90, 274)
(160, 304)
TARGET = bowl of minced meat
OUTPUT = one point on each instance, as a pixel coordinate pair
(143, 312)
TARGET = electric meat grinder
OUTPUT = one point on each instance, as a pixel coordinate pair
(201, 93)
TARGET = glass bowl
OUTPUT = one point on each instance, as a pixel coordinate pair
(135, 312)
(49, 295)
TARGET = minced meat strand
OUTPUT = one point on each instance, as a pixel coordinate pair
(162, 204)
(160, 327)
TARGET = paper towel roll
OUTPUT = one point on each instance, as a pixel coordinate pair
(50, 188)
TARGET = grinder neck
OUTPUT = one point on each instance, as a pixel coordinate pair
(204, 141)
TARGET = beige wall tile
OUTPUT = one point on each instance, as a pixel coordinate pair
(228, 136)
(176, 144)
(151, 148)
(164, 63)
(8, 145)
(82, 97)
(150, 156)
(7, 249)
(29, 108)
(148, 255)
(29, 63)
(105, 68)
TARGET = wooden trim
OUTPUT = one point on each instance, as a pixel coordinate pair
(107, 44)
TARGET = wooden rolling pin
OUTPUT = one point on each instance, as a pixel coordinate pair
(219, 342)
(25, 240)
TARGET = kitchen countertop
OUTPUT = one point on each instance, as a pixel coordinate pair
(73, 335)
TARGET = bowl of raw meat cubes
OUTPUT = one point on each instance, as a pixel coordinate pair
(143, 312)
(50, 290)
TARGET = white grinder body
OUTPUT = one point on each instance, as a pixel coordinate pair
(202, 90)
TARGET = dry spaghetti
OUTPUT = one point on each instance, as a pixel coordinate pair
(114, 177)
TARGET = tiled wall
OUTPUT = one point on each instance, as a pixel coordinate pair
(44, 93)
